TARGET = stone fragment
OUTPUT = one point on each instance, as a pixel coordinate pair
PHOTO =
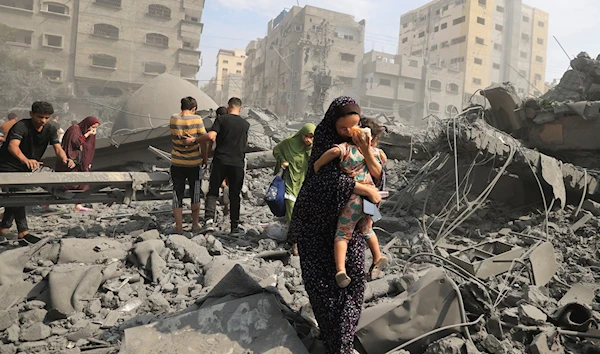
(12, 333)
(542, 344)
(186, 250)
(8, 349)
(32, 316)
(451, 345)
(158, 303)
(34, 347)
(534, 295)
(77, 231)
(93, 307)
(35, 332)
(36, 304)
(531, 315)
(149, 235)
(493, 345)
(8, 318)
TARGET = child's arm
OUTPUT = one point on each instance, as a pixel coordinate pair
(326, 158)
(373, 164)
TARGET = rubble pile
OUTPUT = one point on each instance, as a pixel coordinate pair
(580, 83)
(493, 249)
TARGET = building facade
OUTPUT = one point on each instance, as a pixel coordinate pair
(229, 62)
(396, 84)
(104, 47)
(490, 41)
(309, 56)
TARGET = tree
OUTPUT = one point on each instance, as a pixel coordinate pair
(21, 79)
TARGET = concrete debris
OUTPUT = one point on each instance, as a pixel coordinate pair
(476, 252)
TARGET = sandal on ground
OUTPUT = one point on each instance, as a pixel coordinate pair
(378, 268)
(29, 239)
(342, 279)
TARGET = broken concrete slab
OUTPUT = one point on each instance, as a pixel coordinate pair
(543, 264)
(531, 315)
(90, 251)
(429, 303)
(578, 293)
(254, 323)
(35, 332)
(546, 344)
(148, 255)
(69, 285)
(188, 251)
(488, 259)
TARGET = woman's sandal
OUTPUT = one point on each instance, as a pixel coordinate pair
(342, 279)
(377, 268)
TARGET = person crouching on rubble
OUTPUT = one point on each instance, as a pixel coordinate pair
(295, 150)
(313, 226)
(79, 142)
(186, 161)
(25, 145)
(363, 161)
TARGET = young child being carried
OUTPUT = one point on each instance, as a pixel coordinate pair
(352, 162)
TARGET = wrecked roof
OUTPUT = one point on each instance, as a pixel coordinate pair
(153, 104)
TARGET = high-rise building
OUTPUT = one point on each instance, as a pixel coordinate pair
(309, 56)
(490, 41)
(229, 62)
(104, 47)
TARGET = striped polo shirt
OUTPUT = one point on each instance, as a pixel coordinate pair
(183, 155)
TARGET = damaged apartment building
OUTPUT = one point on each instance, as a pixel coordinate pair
(489, 42)
(309, 56)
(105, 48)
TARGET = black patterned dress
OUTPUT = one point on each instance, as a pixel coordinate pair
(313, 227)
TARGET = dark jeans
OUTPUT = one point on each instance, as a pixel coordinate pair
(14, 213)
(235, 179)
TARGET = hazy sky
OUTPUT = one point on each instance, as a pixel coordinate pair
(231, 24)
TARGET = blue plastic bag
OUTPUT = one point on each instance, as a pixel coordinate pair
(275, 197)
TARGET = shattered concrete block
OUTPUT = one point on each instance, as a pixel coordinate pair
(531, 315)
(149, 235)
(77, 231)
(35, 332)
(32, 316)
(148, 255)
(158, 303)
(69, 285)
(90, 251)
(250, 324)
(93, 307)
(493, 345)
(8, 349)
(34, 347)
(8, 318)
(542, 345)
(12, 333)
(188, 251)
(35, 304)
(451, 345)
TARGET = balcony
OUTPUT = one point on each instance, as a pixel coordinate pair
(190, 29)
(188, 57)
(387, 68)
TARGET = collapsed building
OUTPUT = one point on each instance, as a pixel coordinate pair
(491, 227)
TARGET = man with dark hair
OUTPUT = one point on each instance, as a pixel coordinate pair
(24, 147)
(221, 111)
(186, 160)
(11, 119)
(230, 132)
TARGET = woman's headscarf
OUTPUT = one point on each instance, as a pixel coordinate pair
(77, 146)
(330, 185)
(296, 153)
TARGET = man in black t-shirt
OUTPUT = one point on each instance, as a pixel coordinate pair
(230, 132)
(24, 147)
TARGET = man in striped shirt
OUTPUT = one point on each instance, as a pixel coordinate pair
(186, 160)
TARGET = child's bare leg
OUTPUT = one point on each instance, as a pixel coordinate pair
(340, 247)
(373, 244)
